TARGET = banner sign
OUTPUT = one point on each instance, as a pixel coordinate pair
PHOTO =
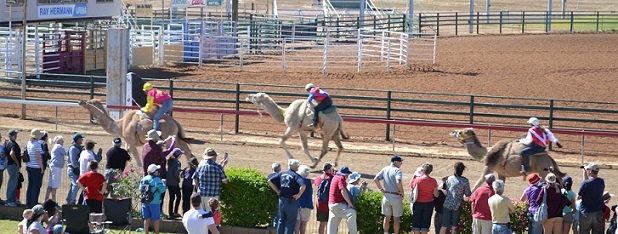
(143, 10)
(180, 3)
(214, 2)
(63, 11)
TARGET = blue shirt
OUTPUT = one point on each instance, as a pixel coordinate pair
(354, 192)
(58, 153)
(74, 151)
(156, 185)
(591, 191)
(306, 200)
(289, 182)
(209, 176)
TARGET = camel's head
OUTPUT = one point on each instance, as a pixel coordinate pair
(464, 136)
(257, 98)
(93, 105)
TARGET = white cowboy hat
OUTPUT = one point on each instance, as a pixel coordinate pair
(210, 153)
(153, 135)
(36, 134)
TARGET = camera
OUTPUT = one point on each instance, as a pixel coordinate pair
(549, 169)
(582, 167)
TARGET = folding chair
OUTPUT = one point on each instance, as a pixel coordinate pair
(118, 214)
(76, 219)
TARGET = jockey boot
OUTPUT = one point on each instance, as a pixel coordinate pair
(525, 164)
(523, 170)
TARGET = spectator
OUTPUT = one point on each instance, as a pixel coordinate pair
(23, 225)
(94, 186)
(196, 219)
(606, 211)
(58, 229)
(276, 170)
(187, 184)
(152, 152)
(305, 202)
(152, 210)
(20, 181)
(73, 166)
(213, 203)
(35, 222)
(3, 160)
(555, 204)
(46, 155)
(481, 215)
(55, 167)
(84, 159)
(340, 204)
(567, 212)
(578, 206)
(53, 214)
(13, 152)
(322, 211)
(34, 168)
(423, 206)
(392, 200)
(439, 204)
(355, 187)
(457, 187)
(173, 182)
(117, 160)
(292, 187)
(209, 176)
(500, 207)
(531, 193)
(592, 206)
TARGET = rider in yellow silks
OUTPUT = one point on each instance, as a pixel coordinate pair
(162, 99)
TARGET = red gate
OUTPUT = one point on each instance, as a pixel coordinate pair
(63, 53)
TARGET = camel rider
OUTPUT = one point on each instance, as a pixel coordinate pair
(324, 101)
(162, 99)
(536, 141)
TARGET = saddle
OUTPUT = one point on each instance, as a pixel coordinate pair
(143, 115)
(328, 110)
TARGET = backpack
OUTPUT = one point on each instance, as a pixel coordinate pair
(147, 195)
(323, 189)
(612, 225)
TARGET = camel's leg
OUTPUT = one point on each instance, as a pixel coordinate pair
(325, 141)
(337, 141)
(486, 170)
(303, 140)
(135, 154)
(284, 138)
(184, 147)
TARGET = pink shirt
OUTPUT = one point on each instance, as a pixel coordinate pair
(426, 185)
(159, 96)
(322, 206)
(336, 185)
(480, 208)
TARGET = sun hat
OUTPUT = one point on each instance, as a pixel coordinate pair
(13, 132)
(78, 136)
(607, 196)
(354, 177)
(153, 167)
(490, 178)
(38, 210)
(153, 135)
(550, 178)
(210, 153)
(534, 178)
(396, 158)
(534, 121)
(592, 166)
(177, 151)
(344, 171)
(36, 134)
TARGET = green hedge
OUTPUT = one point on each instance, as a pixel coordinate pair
(247, 200)
(369, 219)
(519, 219)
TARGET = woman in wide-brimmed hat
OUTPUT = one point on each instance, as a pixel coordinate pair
(34, 167)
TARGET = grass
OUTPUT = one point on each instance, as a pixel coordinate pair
(7, 225)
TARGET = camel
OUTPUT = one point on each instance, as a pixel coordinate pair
(504, 158)
(297, 116)
(132, 128)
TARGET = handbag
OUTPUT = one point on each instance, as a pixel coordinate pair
(25, 157)
(413, 196)
(540, 215)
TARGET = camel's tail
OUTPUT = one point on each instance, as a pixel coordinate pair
(182, 134)
(556, 169)
(343, 134)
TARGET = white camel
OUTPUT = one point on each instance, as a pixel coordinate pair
(297, 116)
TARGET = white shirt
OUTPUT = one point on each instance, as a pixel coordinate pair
(550, 135)
(33, 147)
(84, 158)
(194, 224)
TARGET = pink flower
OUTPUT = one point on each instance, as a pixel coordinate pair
(460, 228)
(523, 224)
(116, 176)
(521, 213)
(125, 173)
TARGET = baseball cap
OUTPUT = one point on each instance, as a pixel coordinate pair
(13, 132)
(153, 167)
(592, 166)
(117, 141)
(396, 158)
(78, 136)
(38, 210)
(58, 229)
(354, 177)
(177, 151)
(344, 171)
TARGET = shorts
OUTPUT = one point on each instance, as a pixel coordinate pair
(110, 175)
(151, 211)
(55, 177)
(322, 216)
(567, 217)
(392, 205)
(304, 214)
(450, 218)
(95, 206)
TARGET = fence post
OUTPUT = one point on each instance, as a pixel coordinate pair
(419, 23)
(572, 24)
(237, 117)
(388, 54)
(388, 114)
(171, 94)
(456, 23)
(500, 22)
(597, 21)
(471, 109)
(240, 52)
(283, 55)
(551, 117)
(325, 56)
(547, 26)
(523, 22)
(359, 42)
(91, 95)
(478, 15)
(438, 24)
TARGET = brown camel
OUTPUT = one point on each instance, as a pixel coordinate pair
(132, 128)
(504, 158)
(297, 116)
